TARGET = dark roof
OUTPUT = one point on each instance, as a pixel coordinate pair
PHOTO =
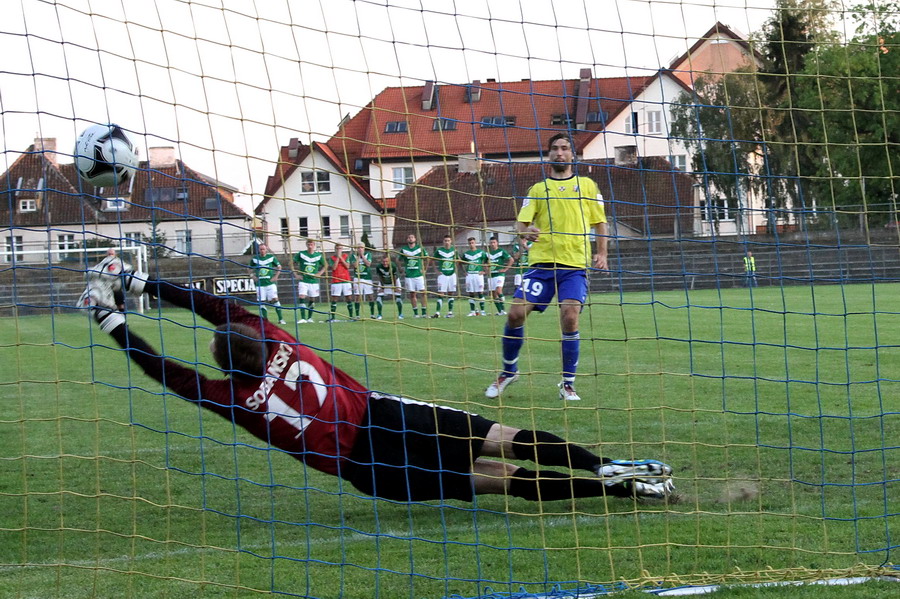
(647, 197)
(64, 199)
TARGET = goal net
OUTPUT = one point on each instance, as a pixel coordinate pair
(739, 323)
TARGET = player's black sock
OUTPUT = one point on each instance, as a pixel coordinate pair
(549, 450)
(548, 485)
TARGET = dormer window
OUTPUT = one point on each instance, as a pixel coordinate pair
(28, 205)
(599, 116)
(395, 127)
(560, 120)
(114, 205)
(498, 121)
(444, 125)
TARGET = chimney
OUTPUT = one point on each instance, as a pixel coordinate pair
(428, 94)
(293, 147)
(162, 156)
(581, 98)
(469, 163)
(47, 145)
(626, 155)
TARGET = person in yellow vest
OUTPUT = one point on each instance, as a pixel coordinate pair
(750, 269)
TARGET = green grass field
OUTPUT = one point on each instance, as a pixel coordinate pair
(779, 413)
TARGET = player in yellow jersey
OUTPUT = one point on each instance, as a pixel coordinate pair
(561, 215)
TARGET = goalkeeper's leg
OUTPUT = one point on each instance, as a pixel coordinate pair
(490, 477)
(644, 477)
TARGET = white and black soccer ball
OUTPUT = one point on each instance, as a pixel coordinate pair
(105, 156)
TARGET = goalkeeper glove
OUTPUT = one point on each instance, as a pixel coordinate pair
(133, 281)
(106, 273)
(99, 300)
(114, 273)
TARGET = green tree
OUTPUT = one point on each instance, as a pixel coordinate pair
(850, 94)
(722, 125)
(157, 242)
(745, 130)
(795, 30)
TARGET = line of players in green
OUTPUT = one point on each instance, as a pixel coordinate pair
(356, 277)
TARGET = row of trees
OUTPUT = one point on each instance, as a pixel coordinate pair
(816, 124)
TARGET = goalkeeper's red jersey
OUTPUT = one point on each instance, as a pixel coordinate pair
(304, 405)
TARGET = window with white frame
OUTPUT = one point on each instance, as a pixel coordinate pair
(679, 162)
(315, 181)
(367, 224)
(402, 176)
(183, 242)
(303, 226)
(13, 247)
(326, 226)
(28, 205)
(114, 205)
(717, 209)
(345, 225)
(65, 242)
(285, 227)
(654, 122)
(631, 123)
(132, 238)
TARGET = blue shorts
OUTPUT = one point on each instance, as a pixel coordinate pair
(542, 281)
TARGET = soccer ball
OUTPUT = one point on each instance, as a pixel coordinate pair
(105, 156)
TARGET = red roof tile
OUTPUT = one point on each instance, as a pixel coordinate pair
(647, 198)
(532, 103)
(65, 200)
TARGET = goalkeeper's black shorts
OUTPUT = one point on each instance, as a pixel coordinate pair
(415, 451)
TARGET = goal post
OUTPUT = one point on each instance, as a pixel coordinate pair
(737, 319)
(21, 258)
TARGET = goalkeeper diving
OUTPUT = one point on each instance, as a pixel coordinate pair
(387, 446)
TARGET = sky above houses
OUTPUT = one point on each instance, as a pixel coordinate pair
(227, 82)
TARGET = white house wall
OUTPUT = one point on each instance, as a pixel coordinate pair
(381, 175)
(657, 96)
(342, 199)
(37, 243)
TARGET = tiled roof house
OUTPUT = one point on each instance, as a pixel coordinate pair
(405, 132)
(646, 199)
(38, 195)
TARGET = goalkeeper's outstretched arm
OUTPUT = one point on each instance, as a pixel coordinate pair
(185, 382)
(216, 310)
